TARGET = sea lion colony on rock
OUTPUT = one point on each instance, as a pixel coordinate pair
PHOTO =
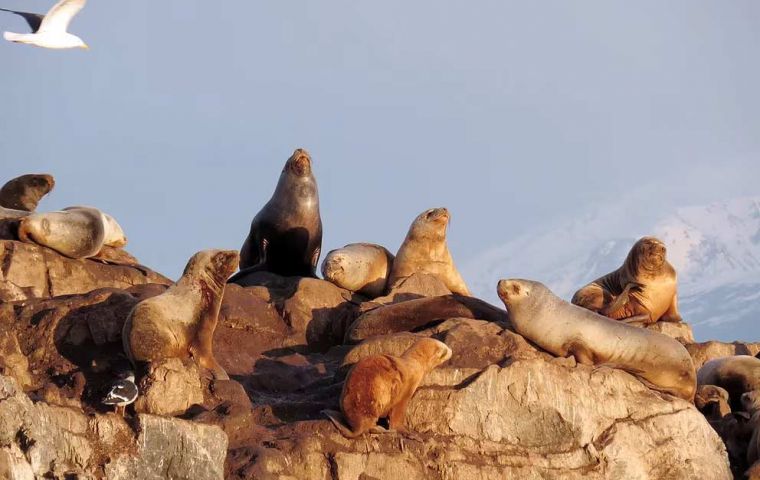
(285, 238)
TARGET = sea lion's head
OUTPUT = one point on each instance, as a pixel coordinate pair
(299, 164)
(712, 401)
(431, 224)
(26, 191)
(514, 292)
(429, 352)
(751, 401)
(647, 254)
(213, 265)
(334, 266)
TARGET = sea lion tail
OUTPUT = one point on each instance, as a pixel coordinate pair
(621, 299)
(335, 418)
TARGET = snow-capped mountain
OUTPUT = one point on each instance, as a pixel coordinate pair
(714, 248)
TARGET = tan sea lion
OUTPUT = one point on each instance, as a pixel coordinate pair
(425, 250)
(286, 235)
(359, 267)
(642, 290)
(180, 322)
(712, 401)
(381, 386)
(26, 191)
(737, 374)
(563, 329)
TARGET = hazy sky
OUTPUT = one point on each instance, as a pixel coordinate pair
(510, 114)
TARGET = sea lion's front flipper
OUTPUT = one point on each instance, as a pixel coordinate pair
(337, 419)
(621, 300)
(642, 319)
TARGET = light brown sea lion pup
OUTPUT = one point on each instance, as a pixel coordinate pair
(76, 232)
(380, 386)
(181, 321)
(712, 401)
(359, 267)
(26, 191)
(642, 290)
(737, 374)
(425, 250)
(563, 329)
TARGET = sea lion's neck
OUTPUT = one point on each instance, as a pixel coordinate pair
(296, 194)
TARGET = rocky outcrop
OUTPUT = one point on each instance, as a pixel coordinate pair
(701, 353)
(30, 271)
(43, 441)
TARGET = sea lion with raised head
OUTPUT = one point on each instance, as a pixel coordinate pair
(643, 290)
(425, 250)
(180, 322)
(286, 235)
(359, 267)
(381, 386)
(563, 329)
(26, 191)
(737, 374)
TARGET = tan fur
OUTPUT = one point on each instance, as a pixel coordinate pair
(712, 401)
(381, 386)
(425, 250)
(563, 329)
(181, 321)
(359, 267)
(651, 284)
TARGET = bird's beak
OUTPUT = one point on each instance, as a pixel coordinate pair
(86, 47)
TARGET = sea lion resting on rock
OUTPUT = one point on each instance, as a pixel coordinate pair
(26, 191)
(286, 235)
(425, 250)
(642, 290)
(563, 329)
(737, 374)
(359, 267)
(380, 386)
(76, 232)
(180, 322)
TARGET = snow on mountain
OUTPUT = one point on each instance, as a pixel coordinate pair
(715, 249)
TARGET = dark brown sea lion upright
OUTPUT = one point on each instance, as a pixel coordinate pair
(286, 235)
(425, 250)
(643, 289)
(563, 329)
(26, 191)
(180, 322)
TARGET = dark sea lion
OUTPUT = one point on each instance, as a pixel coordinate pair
(26, 191)
(712, 401)
(180, 322)
(737, 374)
(642, 290)
(359, 267)
(425, 250)
(381, 386)
(563, 329)
(286, 235)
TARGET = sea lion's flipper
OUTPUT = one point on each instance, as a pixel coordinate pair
(672, 315)
(642, 319)
(337, 419)
(621, 299)
(315, 261)
(263, 247)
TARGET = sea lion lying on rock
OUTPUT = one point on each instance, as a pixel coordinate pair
(26, 191)
(642, 290)
(381, 386)
(359, 267)
(286, 235)
(180, 322)
(563, 329)
(76, 232)
(737, 374)
(425, 250)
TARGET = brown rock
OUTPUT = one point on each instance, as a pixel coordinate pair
(701, 353)
(170, 388)
(681, 331)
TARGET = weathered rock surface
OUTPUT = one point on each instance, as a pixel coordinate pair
(32, 271)
(170, 387)
(681, 331)
(701, 353)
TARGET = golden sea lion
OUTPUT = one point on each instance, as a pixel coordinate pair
(180, 322)
(642, 290)
(359, 267)
(425, 250)
(381, 386)
(563, 329)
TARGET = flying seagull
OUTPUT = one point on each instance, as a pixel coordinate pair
(49, 31)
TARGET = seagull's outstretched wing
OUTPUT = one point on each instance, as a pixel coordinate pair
(59, 17)
(34, 20)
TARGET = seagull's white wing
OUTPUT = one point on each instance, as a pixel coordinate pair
(59, 17)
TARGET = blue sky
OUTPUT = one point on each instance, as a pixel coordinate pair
(511, 114)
